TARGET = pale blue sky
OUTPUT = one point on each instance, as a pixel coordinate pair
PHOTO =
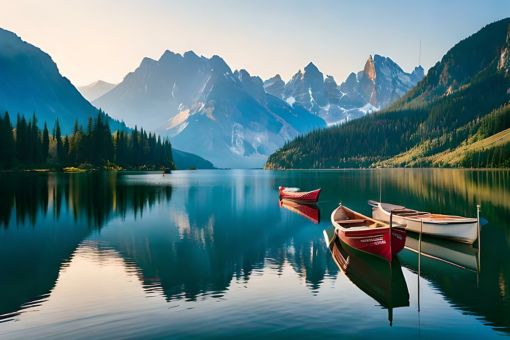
(105, 39)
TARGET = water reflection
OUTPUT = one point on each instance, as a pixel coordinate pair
(382, 281)
(46, 217)
(452, 191)
(185, 247)
(458, 192)
(192, 236)
(210, 245)
(457, 254)
(309, 211)
(93, 198)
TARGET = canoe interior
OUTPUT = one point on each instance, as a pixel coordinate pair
(286, 189)
(347, 219)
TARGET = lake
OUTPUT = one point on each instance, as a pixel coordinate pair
(212, 254)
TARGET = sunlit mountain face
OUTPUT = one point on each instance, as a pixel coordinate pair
(207, 108)
(380, 83)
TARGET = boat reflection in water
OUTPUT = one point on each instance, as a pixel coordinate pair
(310, 211)
(453, 253)
(382, 281)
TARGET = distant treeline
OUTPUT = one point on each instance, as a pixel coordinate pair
(26, 146)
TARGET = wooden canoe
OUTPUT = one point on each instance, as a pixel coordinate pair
(457, 228)
(300, 196)
(366, 234)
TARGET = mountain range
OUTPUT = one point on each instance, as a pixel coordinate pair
(458, 115)
(222, 115)
(235, 119)
(380, 83)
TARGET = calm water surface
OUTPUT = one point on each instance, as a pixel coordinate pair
(211, 253)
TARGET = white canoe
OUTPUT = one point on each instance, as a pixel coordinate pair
(458, 228)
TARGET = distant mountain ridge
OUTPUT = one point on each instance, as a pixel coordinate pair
(185, 160)
(235, 119)
(448, 119)
(30, 83)
(95, 90)
(207, 109)
(380, 83)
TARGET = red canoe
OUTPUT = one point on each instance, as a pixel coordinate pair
(368, 235)
(301, 196)
(310, 211)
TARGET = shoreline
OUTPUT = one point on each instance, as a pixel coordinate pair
(73, 170)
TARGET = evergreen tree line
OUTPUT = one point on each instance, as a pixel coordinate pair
(26, 146)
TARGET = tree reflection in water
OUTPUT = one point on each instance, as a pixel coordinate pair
(191, 240)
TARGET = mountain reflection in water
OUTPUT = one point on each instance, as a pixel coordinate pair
(182, 250)
(195, 239)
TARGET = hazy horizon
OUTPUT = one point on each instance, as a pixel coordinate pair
(104, 40)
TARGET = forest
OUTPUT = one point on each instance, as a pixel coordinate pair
(409, 136)
(25, 146)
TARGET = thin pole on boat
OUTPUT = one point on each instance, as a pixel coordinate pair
(419, 263)
(478, 206)
(419, 275)
(380, 187)
(391, 223)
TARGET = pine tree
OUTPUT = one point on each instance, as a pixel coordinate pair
(45, 144)
(75, 152)
(7, 144)
(65, 150)
(21, 140)
(59, 144)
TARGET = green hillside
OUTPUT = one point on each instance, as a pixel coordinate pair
(462, 100)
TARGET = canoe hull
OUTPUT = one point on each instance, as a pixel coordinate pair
(375, 242)
(465, 231)
(367, 235)
(300, 196)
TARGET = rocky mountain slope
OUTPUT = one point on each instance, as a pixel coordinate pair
(207, 109)
(30, 83)
(380, 83)
(463, 100)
